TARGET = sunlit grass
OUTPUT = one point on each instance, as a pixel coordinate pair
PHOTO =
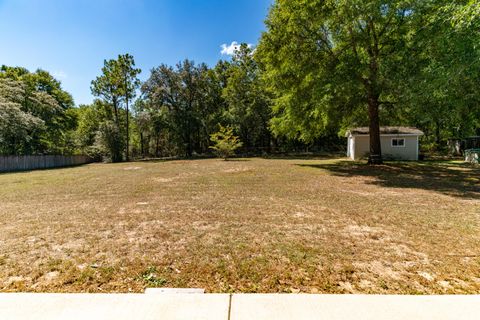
(287, 225)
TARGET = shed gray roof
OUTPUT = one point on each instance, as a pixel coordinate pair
(386, 130)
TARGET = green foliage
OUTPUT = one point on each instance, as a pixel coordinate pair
(108, 87)
(225, 142)
(180, 96)
(130, 83)
(128, 76)
(41, 108)
(117, 86)
(89, 119)
(109, 141)
(98, 134)
(464, 16)
(440, 97)
(336, 64)
(183, 105)
(151, 279)
(117, 83)
(321, 67)
(153, 127)
(325, 60)
(248, 108)
(17, 127)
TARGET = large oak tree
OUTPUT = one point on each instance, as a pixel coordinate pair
(326, 60)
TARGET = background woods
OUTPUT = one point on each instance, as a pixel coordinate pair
(319, 68)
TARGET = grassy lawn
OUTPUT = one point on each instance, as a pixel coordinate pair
(255, 225)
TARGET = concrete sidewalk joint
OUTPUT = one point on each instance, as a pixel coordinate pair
(230, 306)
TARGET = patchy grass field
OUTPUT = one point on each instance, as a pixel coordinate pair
(255, 225)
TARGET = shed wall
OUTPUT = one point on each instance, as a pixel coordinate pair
(408, 152)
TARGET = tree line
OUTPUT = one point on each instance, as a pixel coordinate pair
(178, 109)
(36, 114)
(320, 68)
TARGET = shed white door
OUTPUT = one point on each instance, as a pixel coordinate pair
(351, 147)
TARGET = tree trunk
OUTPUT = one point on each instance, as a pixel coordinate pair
(127, 155)
(374, 129)
(115, 111)
(373, 95)
(157, 145)
(438, 138)
(189, 146)
(142, 149)
(188, 135)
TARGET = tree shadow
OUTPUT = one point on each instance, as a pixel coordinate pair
(160, 160)
(304, 156)
(173, 158)
(236, 160)
(44, 169)
(454, 179)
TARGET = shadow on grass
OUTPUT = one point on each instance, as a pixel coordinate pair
(304, 156)
(236, 160)
(248, 157)
(160, 160)
(174, 158)
(454, 179)
(44, 169)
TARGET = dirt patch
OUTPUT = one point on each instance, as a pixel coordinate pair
(314, 226)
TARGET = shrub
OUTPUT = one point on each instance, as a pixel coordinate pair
(225, 142)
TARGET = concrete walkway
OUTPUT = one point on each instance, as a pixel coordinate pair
(15, 306)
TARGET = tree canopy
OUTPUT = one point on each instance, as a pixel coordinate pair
(36, 113)
(342, 63)
(320, 68)
(117, 86)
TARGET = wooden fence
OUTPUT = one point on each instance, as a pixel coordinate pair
(23, 163)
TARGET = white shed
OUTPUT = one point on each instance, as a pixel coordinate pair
(398, 143)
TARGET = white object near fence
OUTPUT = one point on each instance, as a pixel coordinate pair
(472, 156)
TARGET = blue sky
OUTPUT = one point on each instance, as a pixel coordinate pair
(72, 38)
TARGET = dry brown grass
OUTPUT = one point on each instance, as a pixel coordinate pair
(317, 225)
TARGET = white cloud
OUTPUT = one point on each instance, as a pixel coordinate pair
(232, 48)
(59, 74)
